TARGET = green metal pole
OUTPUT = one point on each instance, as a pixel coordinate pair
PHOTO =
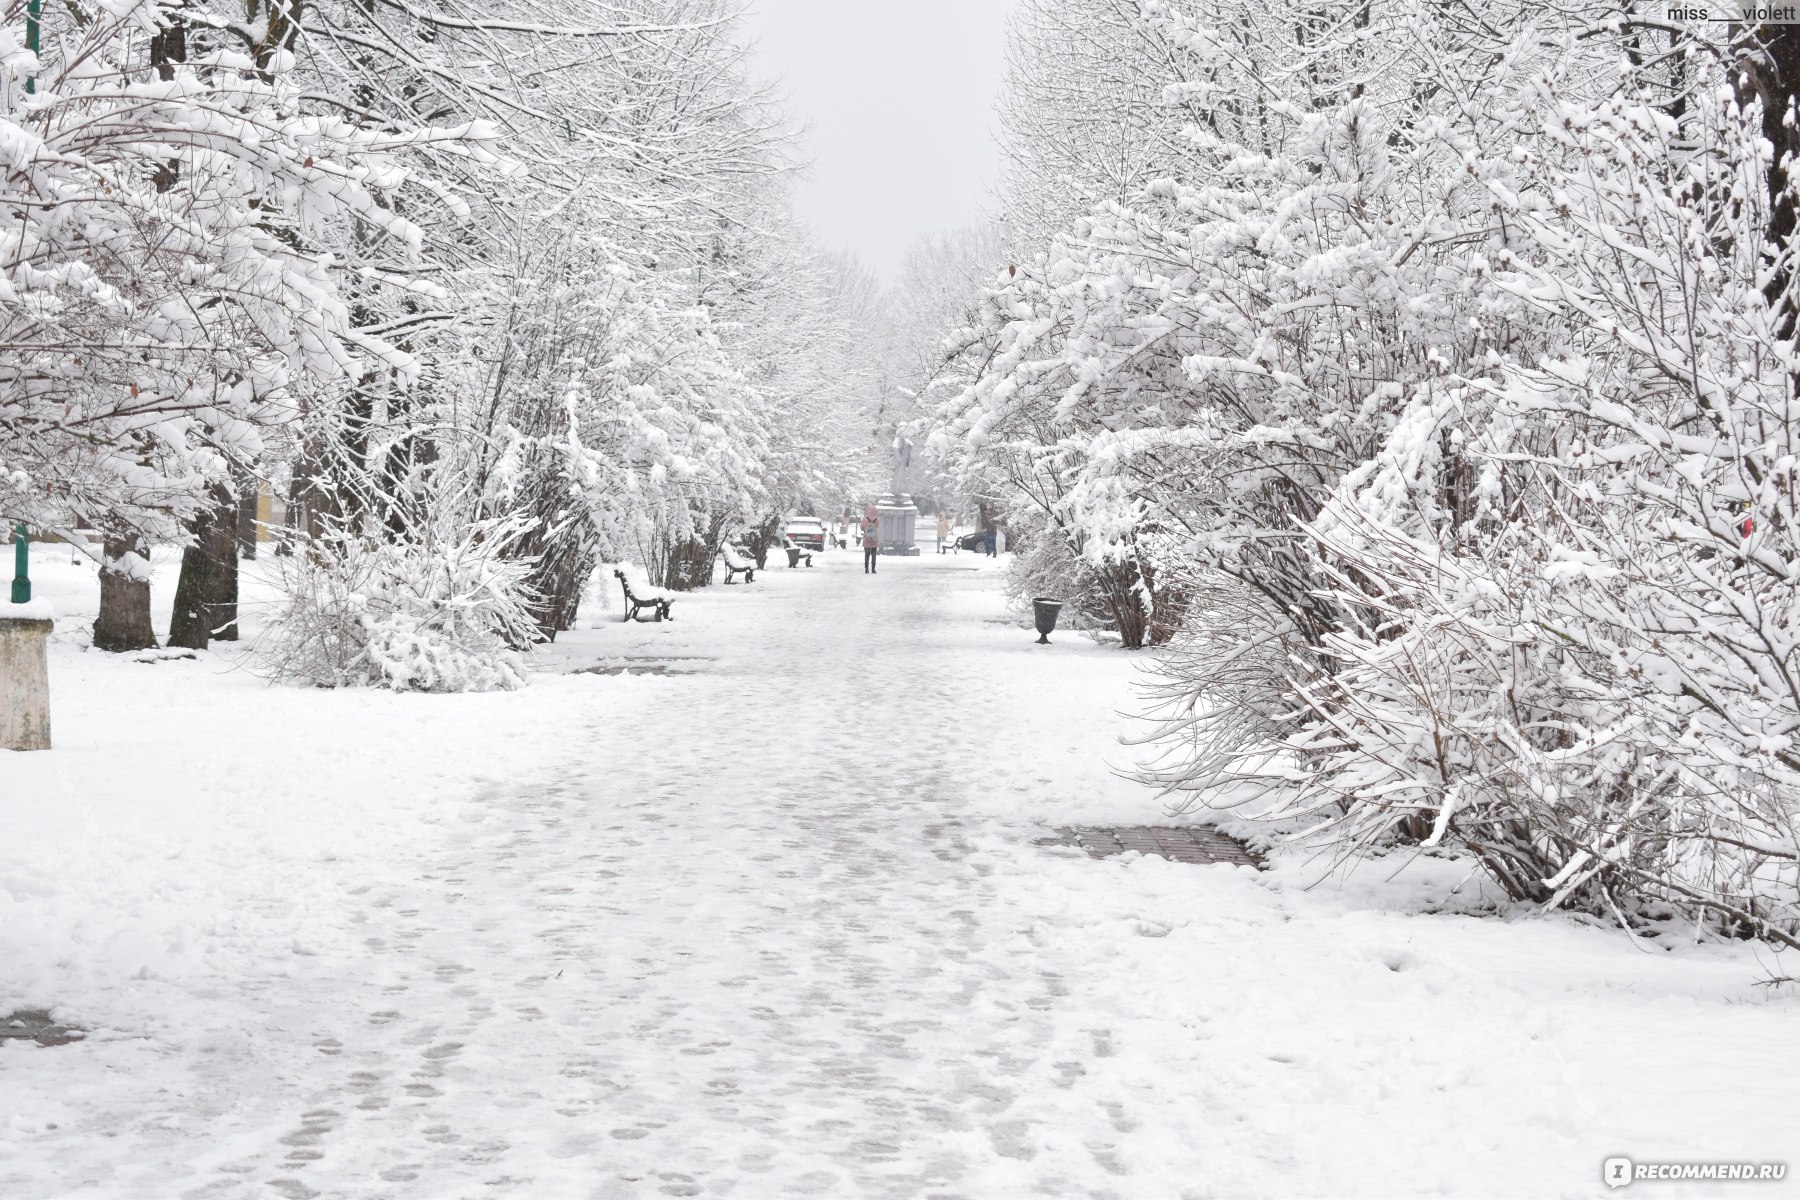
(32, 11)
(21, 590)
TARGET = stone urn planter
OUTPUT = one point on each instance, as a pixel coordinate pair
(1044, 610)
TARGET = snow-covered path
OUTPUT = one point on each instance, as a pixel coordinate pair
(772, 924)
(741, 943)
(728, 934)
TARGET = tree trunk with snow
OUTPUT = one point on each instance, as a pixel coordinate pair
(207, 593)
(124, 620)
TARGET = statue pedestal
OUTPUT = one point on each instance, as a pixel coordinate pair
(897, 520)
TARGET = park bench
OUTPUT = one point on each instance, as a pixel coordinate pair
(736, 564)
(795, 554)
(634, 604)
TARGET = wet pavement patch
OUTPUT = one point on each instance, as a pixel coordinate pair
(637, 669)
(1181, 843)
(667, 664)
(32, 1025)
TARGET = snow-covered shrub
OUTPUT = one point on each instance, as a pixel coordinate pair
(1220, 694)
(443, 610)
(1565, 583)
(1042, 566)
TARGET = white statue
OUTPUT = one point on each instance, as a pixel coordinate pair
(903, 450)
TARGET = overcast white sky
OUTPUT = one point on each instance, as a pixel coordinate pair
(899, 97)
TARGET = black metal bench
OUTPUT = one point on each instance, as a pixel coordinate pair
(657, 602)
(736, 565)
(795, 554)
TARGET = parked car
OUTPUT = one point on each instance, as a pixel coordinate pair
(808, 533)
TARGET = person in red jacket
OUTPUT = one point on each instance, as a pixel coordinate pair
(871, 540)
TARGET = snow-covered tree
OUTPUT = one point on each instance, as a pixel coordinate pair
(1572, 577)
(164, 300)
(1174, 368)
(1429, 377)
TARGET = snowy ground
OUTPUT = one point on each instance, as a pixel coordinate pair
(775, 926)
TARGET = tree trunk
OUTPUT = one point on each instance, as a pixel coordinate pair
(192, 620)
(293, 517)
(1772, 74)
(248, 497)
(168, 46)
(225, 582)
(282, 24)
(313, 500)
(124, 620)
(224, 540)
(687, 563)
(206, 596)
(561, 571)
(1168, 609)
(762, 537)
(690, 565)
(1118, 583)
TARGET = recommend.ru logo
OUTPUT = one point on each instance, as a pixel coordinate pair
(1619, 1172)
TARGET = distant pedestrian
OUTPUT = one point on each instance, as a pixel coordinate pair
(992, 540)
(943, 529)
(871, 546)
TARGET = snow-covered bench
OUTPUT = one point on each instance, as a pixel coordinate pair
(795, 554)
(652, 599)
(736, 564)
